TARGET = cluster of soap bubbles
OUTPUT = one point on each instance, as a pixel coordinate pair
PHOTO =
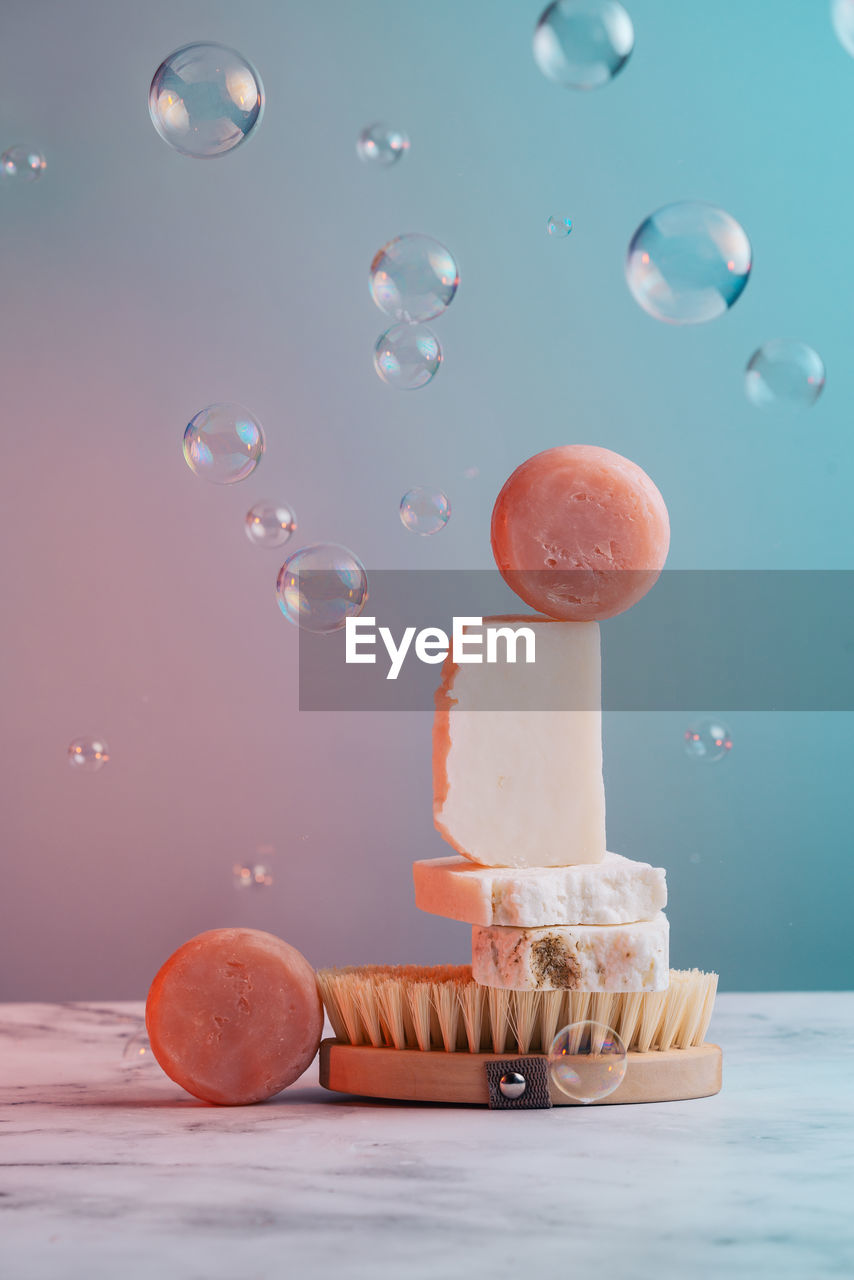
(708, 740)
(688, 262)
(22, 165)
(413, 278)
(587, 1061)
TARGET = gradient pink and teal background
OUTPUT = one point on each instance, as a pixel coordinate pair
(139, 285)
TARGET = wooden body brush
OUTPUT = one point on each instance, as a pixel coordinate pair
(424, 1034)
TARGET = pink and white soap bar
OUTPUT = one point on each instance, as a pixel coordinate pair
(613, 891)
(523, 787)
(579, 957)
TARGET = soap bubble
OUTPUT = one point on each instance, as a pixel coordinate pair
(587, 1061)
(137, 1050)
(380, 145)
(321, 586)
(471, 473)
(22, 164)
(688, 263)
(247, 877)
(424, 511)
(707, 740)
(413, 278)
(842, 17)
(205, 99)
(784, 372)
(407, 356)
(223, 443)
(88, 755)
(559, 225)
(270, 524)
(583, 43)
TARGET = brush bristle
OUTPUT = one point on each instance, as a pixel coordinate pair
(441, 1008)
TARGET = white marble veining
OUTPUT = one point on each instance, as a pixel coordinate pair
(111, 1173)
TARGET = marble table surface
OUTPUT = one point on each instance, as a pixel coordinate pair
(111, 1172)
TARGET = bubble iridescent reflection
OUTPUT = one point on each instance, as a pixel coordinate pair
(587, 1061)
(223, 443)
(22, 165)
(381, 146)
(321, 586)
(205, 99)
(407, 356)
(583, 43)
(270, 524)
(413, 278)
(784, 372)
(424, 511)
(708, 740)
(688, 263)
(88, 755)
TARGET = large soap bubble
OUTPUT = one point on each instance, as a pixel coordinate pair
(688, 263)
(321, 586)
(223, 443)
(413, 278)
(587, 1061)
(583, 43)
(205, 99)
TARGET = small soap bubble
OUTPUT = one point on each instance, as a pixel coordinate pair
(321, 586)
(688, 263)
(205, 99)
(842, 17)
(583, 43)
(257, 875)
(88, 755)
(413, 278)
(270, 524)
(471, 473)
(407, 356)
(707, 740)
(381, 146)
(424, 511)
(22, 165)
(223, 443)
(137, 1050)
(587, 1061)
(784, 372)
(559, 226)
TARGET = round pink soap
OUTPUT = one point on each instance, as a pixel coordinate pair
(234, 1016)
(580, 532)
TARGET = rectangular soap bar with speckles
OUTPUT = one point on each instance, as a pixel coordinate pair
(579, 957)
(613, 891)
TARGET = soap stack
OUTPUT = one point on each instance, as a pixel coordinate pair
(519, 794)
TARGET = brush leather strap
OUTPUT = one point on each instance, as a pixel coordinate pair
(536, 1074)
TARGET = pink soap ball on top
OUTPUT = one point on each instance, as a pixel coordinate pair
(580, 533)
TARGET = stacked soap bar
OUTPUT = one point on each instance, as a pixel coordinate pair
(519, 795)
